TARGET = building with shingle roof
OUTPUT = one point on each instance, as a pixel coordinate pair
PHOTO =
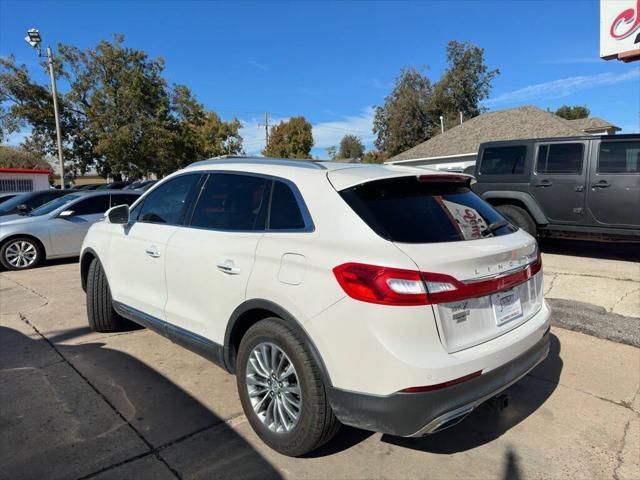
(457, 148)
(594, 126)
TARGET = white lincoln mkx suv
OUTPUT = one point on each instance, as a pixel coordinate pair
(388, 298)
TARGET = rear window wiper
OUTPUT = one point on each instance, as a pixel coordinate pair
(494, 226)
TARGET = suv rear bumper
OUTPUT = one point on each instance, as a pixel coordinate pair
(419, 414)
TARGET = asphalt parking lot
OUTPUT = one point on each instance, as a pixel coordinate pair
(77, 404)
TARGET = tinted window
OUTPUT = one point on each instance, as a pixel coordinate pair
(43, 198)
(31, 200)
(503, 160)
(560, 158)
(168, 203)
(285, 212)
(231, 202)
(412, 211)
(123, 199)
(619, 157)
(91, 205)
(55, 204)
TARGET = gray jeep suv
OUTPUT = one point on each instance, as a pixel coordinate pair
(576, 187)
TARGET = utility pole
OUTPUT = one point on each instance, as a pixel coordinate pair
(33, 38)
(266, 129)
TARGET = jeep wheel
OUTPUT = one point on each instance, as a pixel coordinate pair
(100, 313)
(519, 217)
(282, 391)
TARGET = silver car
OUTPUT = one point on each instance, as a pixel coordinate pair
(56, 229)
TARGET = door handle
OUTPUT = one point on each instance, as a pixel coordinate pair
(228, 267)
(152, 251)
(601, 184)
(544, 183)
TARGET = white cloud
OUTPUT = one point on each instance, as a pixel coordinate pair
(563, 87)
(325, 134)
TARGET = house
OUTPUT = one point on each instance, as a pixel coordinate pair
(594, 126)
(13, 180)
(457, 148)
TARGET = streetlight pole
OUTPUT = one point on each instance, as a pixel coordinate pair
(33, 38)
(54, 92)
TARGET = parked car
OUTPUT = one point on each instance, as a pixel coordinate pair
(7, 196)
(55, 229)
(25, 202)
(118, 185)
(386, 298)
(147, 185)
(90, 186)
(576, 187)
(142, 185)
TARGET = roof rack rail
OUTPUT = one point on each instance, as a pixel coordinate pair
(285, 162)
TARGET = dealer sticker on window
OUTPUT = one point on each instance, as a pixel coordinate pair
(506, 306)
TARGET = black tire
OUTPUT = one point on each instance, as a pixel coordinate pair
(519, 217)
(100, 313)
(34, 244)
(317, 423)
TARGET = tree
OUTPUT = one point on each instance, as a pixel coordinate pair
(332, 152)
(573, 112)
(290, 139)
(411, 112)
(403, 121)
(16, 157)
(464, 84)
(373, 156)
(118, 116)
(351, 147)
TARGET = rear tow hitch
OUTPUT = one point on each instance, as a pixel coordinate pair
(497, 404)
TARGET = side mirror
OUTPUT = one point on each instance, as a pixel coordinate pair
(22, 208)
(118, 215)
(66, 214)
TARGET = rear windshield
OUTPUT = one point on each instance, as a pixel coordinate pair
(410, 210)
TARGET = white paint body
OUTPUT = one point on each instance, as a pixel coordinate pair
(368, 348)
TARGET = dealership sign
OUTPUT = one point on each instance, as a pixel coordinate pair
(620, 29)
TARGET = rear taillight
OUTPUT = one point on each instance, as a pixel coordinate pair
(394, 286)
(386, 286)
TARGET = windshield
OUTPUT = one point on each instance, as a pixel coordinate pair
(411, 210)
(53, 205)
(14, 202)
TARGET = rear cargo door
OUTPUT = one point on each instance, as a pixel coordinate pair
(483, 276)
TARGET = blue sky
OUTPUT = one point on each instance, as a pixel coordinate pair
(333, 61)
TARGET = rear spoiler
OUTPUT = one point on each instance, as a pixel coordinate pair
(464, 179)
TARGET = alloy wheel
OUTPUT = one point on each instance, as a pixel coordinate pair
(21, 254)
(273, 387)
